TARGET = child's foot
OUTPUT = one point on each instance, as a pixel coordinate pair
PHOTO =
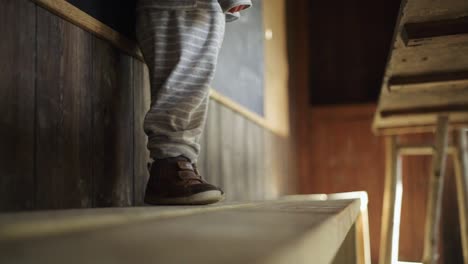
(175, 181)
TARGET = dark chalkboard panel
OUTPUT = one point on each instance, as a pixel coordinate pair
(240, 72)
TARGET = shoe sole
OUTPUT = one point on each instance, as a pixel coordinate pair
(203, 198)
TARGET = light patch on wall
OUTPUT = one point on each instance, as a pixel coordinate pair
(268, 34)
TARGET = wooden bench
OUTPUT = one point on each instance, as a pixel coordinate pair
(425, 90)
(298, 229)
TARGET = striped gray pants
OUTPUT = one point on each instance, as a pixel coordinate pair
(180, 48)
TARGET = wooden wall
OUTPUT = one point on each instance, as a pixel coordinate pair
(71, 113)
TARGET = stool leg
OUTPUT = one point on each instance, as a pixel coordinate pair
(461, 172)
(431, 240)
(391, 210)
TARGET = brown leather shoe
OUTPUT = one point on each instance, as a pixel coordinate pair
(175, 181)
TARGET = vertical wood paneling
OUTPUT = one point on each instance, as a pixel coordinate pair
(238, 164)
(277, 180)
(63, 134)
(17, 104)
(251, 149)
(213, 145)
(141, 92)
(113, 133)
(234, 156)
(259, 170)
(270, 177)
(202, 158)
(78, 126)
(227, 152)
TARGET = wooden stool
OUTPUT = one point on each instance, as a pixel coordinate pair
(394, 191)
(425, 89)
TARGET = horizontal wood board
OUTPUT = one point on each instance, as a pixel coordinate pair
(268, 232)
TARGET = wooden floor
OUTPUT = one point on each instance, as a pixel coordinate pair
(284, 231)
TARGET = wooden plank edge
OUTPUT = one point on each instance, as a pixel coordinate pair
(313, 245)
(392, 131)
(17, 226)
(437, 109)
(363, 248)
(86, 22)
(419, 33)
(403, 83)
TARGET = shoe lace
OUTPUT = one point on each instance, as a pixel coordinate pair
(190, 177)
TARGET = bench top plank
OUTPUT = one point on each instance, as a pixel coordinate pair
(285, 231)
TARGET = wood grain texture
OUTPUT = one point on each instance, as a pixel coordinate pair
(277, 158)
(202, 158)
(434, 199)
(238, 162)
(246, 160)
(461, 180)
(449, 80)
(443, 31)
(212, 145)
(227, 152)
(254, 148)
(17, 104)
(64, 115)
(141, 102)
(113, 131)
(79, 18)
(431, 58)
(88, 111)
(275, 121)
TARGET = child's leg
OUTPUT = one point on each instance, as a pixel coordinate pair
(181, 49)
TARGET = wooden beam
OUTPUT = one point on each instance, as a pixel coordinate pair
(423, 149)
(436, 109)
(443, 31)
(449, 80)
